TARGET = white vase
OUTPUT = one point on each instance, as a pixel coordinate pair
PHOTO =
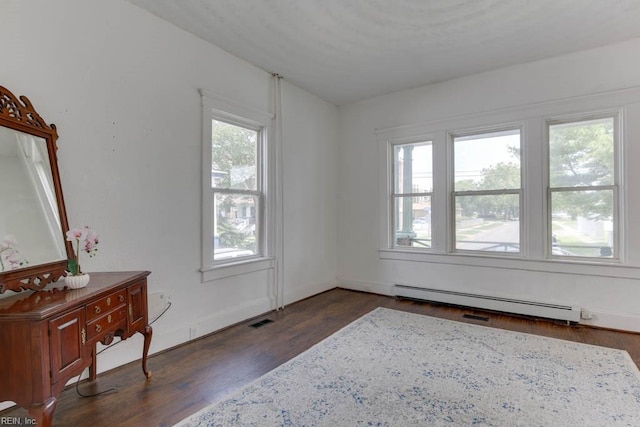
(77, 282)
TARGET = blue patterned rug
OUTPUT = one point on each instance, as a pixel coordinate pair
(392, 368)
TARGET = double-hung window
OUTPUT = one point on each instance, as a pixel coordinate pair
(540, 187)
(236, 185)
(411, 194)
(487, 191)
(583, 190)
(237, 193)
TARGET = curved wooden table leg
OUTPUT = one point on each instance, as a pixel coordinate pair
(93, 369)
(148, 332)
(43, 414)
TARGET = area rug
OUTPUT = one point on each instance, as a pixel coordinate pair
(392, 368)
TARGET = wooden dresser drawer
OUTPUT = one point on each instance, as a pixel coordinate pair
(108, 303)
(49, 336)
(107, 322)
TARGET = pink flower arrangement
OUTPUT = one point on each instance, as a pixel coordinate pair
(86, 240)
(10, 258)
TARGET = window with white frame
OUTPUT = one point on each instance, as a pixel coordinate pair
(236, 185)
(411, 194)
(583, 190)
(237, 195)
(539, 187)
(487, 191)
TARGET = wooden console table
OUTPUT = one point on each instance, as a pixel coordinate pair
(48, 337)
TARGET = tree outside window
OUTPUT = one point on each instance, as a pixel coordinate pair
(487, 191)
(582, 188)
(236, 186)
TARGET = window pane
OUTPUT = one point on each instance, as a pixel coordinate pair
(489, 161)
(233, 156)
(412, 221)
(488, 223)
(581, 153)
(234, 226)
(413, 168)
(582, 223)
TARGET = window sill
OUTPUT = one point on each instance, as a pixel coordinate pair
(609, 268)
(236, 268)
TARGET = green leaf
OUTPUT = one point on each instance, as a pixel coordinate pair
(73, 267)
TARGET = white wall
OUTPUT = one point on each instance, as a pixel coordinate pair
(122, 87)
(310, 182)
(612, 300)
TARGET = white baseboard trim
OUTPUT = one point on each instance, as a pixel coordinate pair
(306, 291)
(232, 316)
(623, 322)
(601, 319)
(131, 349)
(374, 288)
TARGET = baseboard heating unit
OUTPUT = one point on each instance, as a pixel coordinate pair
(507, 305)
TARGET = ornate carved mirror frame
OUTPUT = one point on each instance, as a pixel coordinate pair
(19, 115)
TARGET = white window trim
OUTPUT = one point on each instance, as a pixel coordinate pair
(220, 108)
(391, 189)
(533, 119)
(452, 193)
(616, 115)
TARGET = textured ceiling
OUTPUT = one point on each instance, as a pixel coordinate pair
(347, 50)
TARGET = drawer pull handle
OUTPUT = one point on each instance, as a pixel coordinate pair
(109, 301)
(98, 328)
(121, 298)
(109, 318)
(84, 336)
(98, 309)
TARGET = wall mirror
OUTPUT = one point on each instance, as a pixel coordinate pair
(33, 220)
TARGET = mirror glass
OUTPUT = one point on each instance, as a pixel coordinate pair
(33, 219)
(30, 227)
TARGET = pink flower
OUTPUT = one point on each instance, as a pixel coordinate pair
(8, 242)
(76, 234)
(91, 241)
(10, 258)
(14, 259)
(86, 240)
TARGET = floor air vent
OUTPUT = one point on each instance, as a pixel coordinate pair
(475, 317)
(261, 323)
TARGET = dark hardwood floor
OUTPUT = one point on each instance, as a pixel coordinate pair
(188, 378)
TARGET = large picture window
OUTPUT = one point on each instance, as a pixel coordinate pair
(487, 191)
(582, 188)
